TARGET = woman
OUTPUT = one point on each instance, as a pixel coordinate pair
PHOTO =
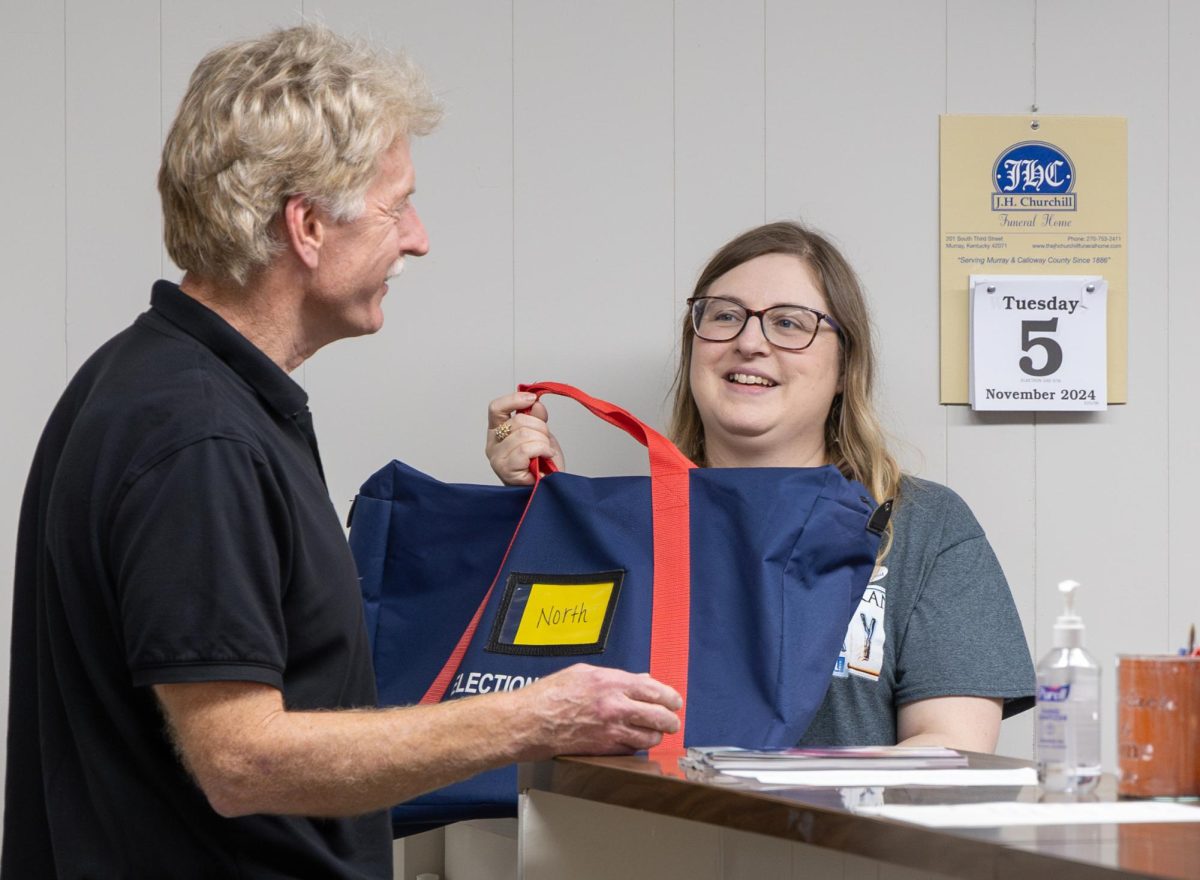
(776, 370)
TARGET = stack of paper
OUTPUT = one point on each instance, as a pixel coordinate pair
(1002, 815)
(854, 766)
(722, 759)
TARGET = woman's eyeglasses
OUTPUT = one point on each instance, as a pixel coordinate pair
(792, 328)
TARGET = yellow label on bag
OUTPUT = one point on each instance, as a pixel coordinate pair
(564, 614)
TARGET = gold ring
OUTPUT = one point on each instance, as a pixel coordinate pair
(503, 431)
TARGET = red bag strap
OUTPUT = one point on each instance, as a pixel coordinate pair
(437, 690)
(669, 500)
(670, 619)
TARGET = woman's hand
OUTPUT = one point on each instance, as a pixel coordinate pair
(527, 437)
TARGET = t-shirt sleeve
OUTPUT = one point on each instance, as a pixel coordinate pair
(964, 637)
(198, 547)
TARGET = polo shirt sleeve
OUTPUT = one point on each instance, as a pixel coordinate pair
(964, 637)
(199, 547)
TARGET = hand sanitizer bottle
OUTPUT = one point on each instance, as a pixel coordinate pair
(1067, 727)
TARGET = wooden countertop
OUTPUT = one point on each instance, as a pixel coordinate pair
(820, 817)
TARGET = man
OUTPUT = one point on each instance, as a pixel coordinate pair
(191, 685)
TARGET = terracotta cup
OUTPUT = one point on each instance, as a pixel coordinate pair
(1158, 726)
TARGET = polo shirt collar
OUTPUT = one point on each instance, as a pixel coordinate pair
(261, 373)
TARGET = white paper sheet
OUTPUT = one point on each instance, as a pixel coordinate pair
(839, 778)
(1004, 814)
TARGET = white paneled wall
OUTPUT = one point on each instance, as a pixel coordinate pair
(1101, 482)
(593, 160)
(592, 156)
(111, 135)
(990, 456)
(720, 131)
(853, 95)
(1182, 316)
(33, 251)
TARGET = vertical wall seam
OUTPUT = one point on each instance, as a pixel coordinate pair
(303, 378)
(1036, 494)
(1035, 54)
(512, 160)
(66, 276)
(945, 109)
(1033, 426)
(765, 104)
(666, 407)
(1170, 592)
(162, 265)
(304, 366)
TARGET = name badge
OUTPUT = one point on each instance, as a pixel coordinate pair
(862, 649)
(556, 614)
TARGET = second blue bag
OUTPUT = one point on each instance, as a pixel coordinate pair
(733, 585)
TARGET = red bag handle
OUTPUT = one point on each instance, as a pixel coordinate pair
(670, 618)
(665, 459)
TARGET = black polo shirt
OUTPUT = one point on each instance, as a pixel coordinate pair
(176, 527)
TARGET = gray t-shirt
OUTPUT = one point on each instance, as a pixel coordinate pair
(936, 620)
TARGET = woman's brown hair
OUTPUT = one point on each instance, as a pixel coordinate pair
(854, 440)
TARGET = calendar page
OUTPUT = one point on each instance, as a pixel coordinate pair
(1037, 342)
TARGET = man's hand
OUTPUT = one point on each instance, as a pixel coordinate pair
(592, 710)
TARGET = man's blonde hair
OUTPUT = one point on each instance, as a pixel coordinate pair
(299, 111)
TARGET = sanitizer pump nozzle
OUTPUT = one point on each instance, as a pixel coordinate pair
(1068, 628)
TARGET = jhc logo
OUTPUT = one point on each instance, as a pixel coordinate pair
(1033, 176)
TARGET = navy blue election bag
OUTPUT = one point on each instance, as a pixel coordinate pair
(733, 585)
